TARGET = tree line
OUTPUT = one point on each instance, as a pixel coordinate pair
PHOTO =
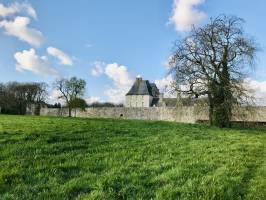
(16, 97)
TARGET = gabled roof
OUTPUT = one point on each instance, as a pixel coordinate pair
(172, 102)
(155, 90)
(155, 101)
(141, 87)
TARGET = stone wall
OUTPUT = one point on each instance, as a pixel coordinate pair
(254, 114)
(182, 114)
(138, 101)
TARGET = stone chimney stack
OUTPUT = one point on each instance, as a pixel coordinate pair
(138, 78)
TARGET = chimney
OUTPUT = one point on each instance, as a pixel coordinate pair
(138, 78)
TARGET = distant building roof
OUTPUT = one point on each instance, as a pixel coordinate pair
(143, 87)
(155, 90)
(155, 101)
(172, 102)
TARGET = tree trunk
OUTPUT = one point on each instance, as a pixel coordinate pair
(223, 101)
(69, 111)
(210, 109)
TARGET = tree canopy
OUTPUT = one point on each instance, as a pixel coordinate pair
(15, 97)
(213, 61)
(70, 89)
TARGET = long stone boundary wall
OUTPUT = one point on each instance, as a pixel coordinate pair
(179, 114)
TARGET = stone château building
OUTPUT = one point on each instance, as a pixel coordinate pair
(143, 94)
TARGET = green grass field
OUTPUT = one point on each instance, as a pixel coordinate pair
(61, 158)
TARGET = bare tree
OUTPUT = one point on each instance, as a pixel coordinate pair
(213, 61)
(16, 97)
(70, 90)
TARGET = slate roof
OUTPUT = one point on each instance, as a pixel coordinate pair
(155, 101)
(172, 102)
(155, 90)
(143, 87)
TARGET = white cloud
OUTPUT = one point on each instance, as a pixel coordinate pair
(256, 88)
(28, 60)
(19, 28)
(98, 68)
(55, 94)
(54, 97)
(91, 100)
(122, 82)
(63, 57)
(119, 74)
(165, 85)
(166, 63)
(16, 8)
(120, 77)
(185, 14)
(259, 90)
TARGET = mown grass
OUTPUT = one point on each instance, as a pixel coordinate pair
(61, 158)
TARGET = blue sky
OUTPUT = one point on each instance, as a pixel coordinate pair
(109, 42)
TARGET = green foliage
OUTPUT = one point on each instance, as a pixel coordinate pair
(15, 97)
(212, 61)
(78, 103)
(72, 158)
(70, 89)
(75, 86)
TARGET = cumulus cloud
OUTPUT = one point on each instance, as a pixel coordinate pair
(120, 77)
(55, 94)
(98, 68)
(259, 90)
(166, 63)
(53, 97)
(91, 100)
(16, 8)
(28, 60)
(165, 85)
(60, 55)
(118, 73)
(256, 88)
(185, 14)
(19, 28)
(122, 82)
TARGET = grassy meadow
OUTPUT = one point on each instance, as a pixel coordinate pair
(62, 158)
